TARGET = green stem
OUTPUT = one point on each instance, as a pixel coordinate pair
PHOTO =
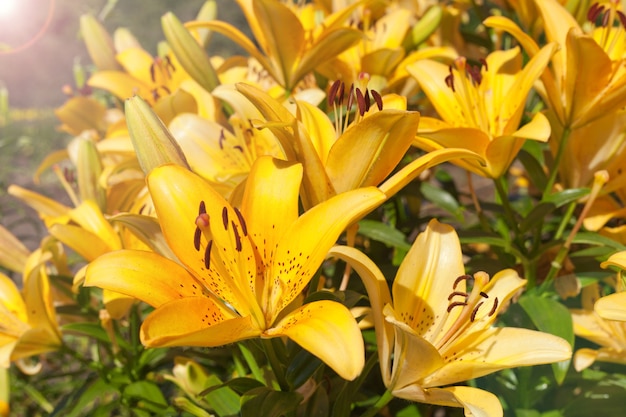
(275, 363)
(565, 220)
(506, 205)
(557, 161)
(382, 402)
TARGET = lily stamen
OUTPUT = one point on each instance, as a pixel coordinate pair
(467, 92)
(612, 21)
(225, 218)
(363, 97)
(207, 255)
(242, 221)
(471, 305)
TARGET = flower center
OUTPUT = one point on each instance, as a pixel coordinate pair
(464, 80)
(610, 23)
(203, 228)
(473, 304)
(360, 95)
(161, 71)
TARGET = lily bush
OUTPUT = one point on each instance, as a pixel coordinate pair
(380, 207)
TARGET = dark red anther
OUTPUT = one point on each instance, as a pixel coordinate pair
(622, 18)
(473, 316)
(593, 12)
(169, 65)
(196, 238)
(457, 293)
(239, 148)
(368, 102)
(238, 246)
(207, 255)
(378, 99)
(152, 72)
(494, 307)
(483, 62)
(455, 304)
(605, 18)
(450, 81)
(332, 93)
(202, 208)
(459, 279)
(484, 294)
(225, 218)
(342, 91)
(475, 74)
(360, 101)
(221, 139)
(244, 228)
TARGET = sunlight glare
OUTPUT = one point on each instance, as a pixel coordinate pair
(7, 8)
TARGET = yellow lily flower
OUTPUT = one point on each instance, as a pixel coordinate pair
(288, 51)
(436, 330)
(346, 153)
(29, 326)
(482, 107)
(613, 306)
(241, 269)
(587, 78)
(589, 324)
(223, 154)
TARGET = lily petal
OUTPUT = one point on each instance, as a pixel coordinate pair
(411, 171)
(476, 402)
(177, 195)
(371, 148)
(418, 357)
(328, 330)
(379, 296)
(494, 349)
(208, 323)
(435, 259)
(11, 299)
(326, 221)
(143, 275)
(270, 201)
(612, 307)
(120, 84)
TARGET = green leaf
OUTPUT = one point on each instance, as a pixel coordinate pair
(536, 216)
(384, 233)
(318, 405)
(552, 317)
(145, 390)
(243, 385)
(269, 403)
(566, 196)
(598, 240)
(301, 368)
(534, 168)
(95, 331)
(76, 403)
(442, 199)
(224, 400)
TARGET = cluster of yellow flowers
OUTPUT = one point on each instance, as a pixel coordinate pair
(208, 196)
